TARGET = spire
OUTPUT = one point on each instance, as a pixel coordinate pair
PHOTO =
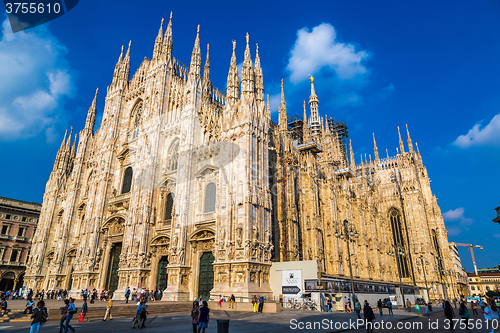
(351, 153)
(233, 79)
(387, 152)
(259, 79)
(206, 71)
(247, 75)
(401, 145)
(158, 42)
(68, 143)
(362, 164)
(120, 58)
(268, 108)
(410, 145)
(127, 56)
(64, 140)
(418, 151)
(375, 149)
(167, 40)
(313, 103)
(195, 68)
(305, 127)
(283, 120)
(90, 122)
(73, 149)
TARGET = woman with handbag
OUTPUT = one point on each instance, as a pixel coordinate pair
(39, 316)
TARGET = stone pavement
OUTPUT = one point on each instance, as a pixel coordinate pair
(240, 322)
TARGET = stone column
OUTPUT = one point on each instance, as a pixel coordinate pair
(104, 269)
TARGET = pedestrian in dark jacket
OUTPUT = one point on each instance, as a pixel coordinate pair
(379, 305)
(369, 317)
(449, 314)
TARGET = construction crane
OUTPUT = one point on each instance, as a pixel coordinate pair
(470, 246)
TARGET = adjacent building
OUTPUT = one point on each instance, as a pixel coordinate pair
(489, 279)
(196, 191)
(18, 222)
(461, 287)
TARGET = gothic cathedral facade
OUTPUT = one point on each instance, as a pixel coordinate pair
(194, 191)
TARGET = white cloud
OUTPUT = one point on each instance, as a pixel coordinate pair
(456, 221)
(319, 49)
(34, 80)
(386, 91)
(275, 102)
(477, 136)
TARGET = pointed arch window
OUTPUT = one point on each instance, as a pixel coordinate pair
(399, 241)
(173, 156)
(169, 205)
(135, 118)
(210, 198)
(127, 180)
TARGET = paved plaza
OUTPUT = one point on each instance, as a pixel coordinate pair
(242, 322)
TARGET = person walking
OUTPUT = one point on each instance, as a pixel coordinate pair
(69, 315)
(474, 308)
(203, 317)
(389, 307)
(39, 316)
(64, 312)
(144, 314)
(127, 295)
(408, 305)
(490, 312)
(357, 307)
(261, 304)
(329, 304)
(85, 309)
(379, 305)
(109, 306)
(232, 300)
(137, 318)
(349, 306)
(464, 314)
(417, 307)
(427, 309)
(255, 303)
(346, 303)
(449, 314)
(369, 317)
(194, 316)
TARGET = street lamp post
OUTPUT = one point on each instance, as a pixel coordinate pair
(347, 231)
(425, 276)
(398, 250)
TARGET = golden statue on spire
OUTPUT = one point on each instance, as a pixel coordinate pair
(311, 78)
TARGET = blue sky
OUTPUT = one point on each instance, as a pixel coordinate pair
(377, 65)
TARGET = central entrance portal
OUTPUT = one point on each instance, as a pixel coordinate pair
(114, 260)
(161, 282)
(206, 279)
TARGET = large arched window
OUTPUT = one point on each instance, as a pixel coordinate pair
(127, 180)
(173, 156)
(399, 241)
(210, 198)
(169, 205)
